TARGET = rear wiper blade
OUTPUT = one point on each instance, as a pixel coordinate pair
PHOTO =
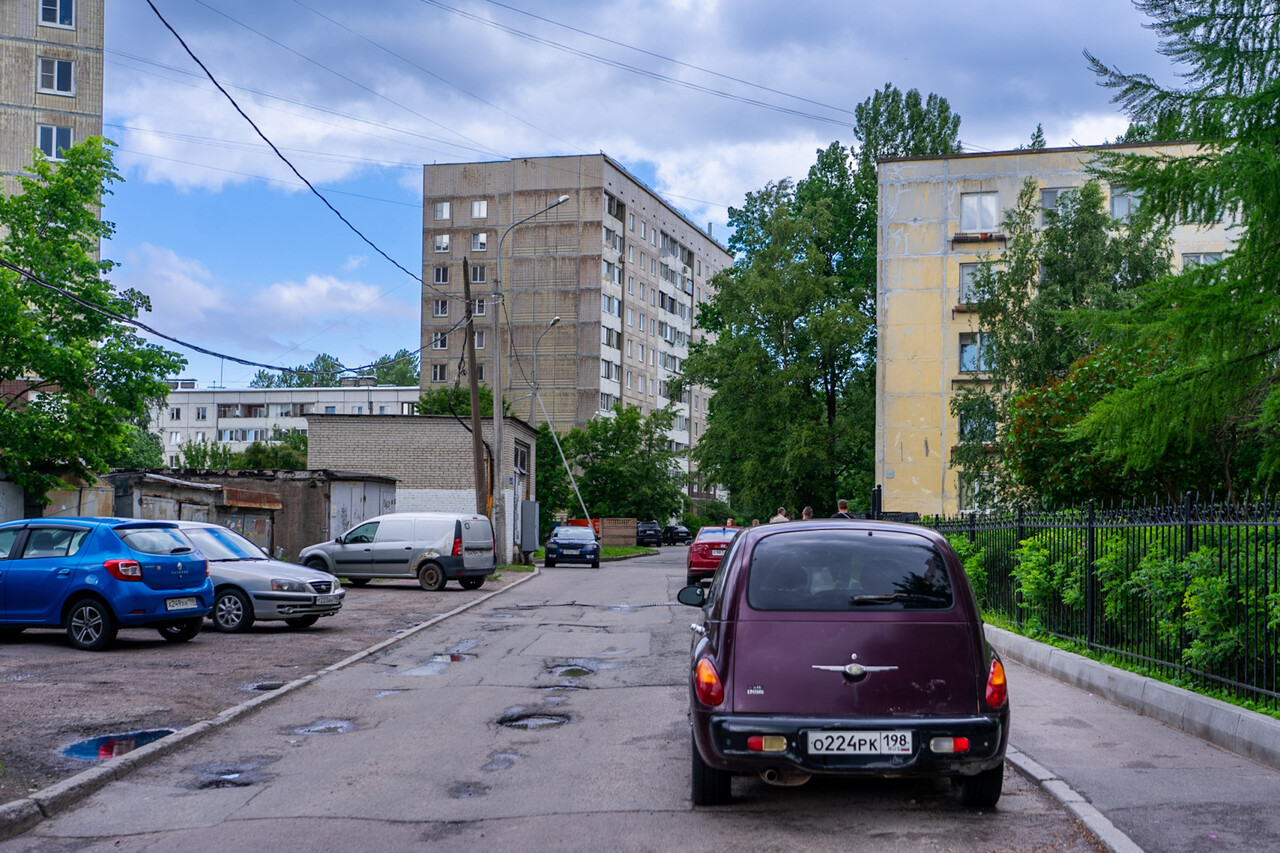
(182, 550)
(913, 597)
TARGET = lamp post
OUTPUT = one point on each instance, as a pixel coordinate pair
(533, 397)
(499, 456)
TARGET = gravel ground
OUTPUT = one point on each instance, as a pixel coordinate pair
(52, 695)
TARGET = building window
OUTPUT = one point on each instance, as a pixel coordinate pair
(479, 241)
(440, 340)
(175, 437)
(1050, 199)
(480, 209)
(442, 242)
(200, 437)
(1200, 259)
(979, 212)
(53, 140)
(631, 221)
(479, 309)
(443, 210)
(57, 76)
(175, 414)
(978, 427)
(440, 308)
(650, 386)
(58, 13)
(630, 376)
(630, 349)
(382, 410)
(1123, 203)
(357, 410)
(330, 410)
(607, 402)
(407, 408)
(439, 372)
(480, 340)
(631, 284)
(202, 413)
(479, 372)
(975, 355)
(967, 272)
(442, 273)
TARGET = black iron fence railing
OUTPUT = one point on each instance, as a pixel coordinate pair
(1190, 592)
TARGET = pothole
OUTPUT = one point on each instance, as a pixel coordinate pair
(266, 686)
(384, 693)
(529, 720)
(325, 727)
(500, 761)
(467, 790)
(438, 664)
(578, 667)
(109, 746)
(219, 775)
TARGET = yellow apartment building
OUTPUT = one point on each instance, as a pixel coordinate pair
(938, 218)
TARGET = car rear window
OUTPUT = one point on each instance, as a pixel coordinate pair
(155, 540)
(847, 571)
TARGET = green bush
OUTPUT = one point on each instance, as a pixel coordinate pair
(973, 558)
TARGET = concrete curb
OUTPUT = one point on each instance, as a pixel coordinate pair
(19, 816)
(1236, 729)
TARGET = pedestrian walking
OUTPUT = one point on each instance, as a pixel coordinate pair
(781, 515)
(842, 509)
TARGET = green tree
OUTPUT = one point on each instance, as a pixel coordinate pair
(261, 455)
(456, 400)
(792, 355)
(141, 450)
(1037, 138)
(74, 381)
(627, 467)
(1218, 323)
(555, 493)
(400, 369)
(324, 371)
(204, 455)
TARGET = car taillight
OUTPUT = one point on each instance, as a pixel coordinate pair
(457, 546)
(706, 683)
(997, 688)
(124, 570)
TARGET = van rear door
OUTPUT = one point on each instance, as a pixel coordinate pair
(477, 543)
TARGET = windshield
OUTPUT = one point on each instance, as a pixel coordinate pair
(221, 544)
(847, 570)
(575, 533)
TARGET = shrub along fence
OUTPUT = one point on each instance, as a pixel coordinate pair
(1191, 592)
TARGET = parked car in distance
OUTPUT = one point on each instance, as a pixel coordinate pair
(846, 649)
(93, 576)
(572, 544)
(676, 534)
(649, 533)
(249, 586)
(433, 547)
(705, 552)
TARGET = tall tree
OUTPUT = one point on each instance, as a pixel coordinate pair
(398, 369)
(627, 467)
(324, 371)
(1218, 323)
(73, 380)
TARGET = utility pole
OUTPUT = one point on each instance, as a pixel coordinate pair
(477, 440)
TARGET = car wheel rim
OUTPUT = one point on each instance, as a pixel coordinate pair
(86, 624)
(230, 613)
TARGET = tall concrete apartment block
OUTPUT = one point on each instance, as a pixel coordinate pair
(50, 79)
(623, 270)
(939, 216)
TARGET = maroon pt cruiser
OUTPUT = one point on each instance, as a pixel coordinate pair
(847, 649)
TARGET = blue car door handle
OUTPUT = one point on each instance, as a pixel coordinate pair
(62, 573)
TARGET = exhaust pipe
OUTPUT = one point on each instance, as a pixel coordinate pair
(774, 776)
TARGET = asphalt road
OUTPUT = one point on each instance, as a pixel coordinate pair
(551, 717)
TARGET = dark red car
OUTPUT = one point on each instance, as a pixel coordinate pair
(844, 648)
(706, 550)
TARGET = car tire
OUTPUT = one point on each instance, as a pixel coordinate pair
(550, 564)
(232, 611)
(472, 583)
(981, 791)
(431, 577)
(709, 786)
(317, 564)
(91, 625)
(299, 622)
(595, 564)
(182, 630)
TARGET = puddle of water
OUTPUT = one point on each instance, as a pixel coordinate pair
(465, 646)
(109, 746)
(500, 761)
(611, 652)
(523, 718)
(267, 685)
(440, 663)
(578, 667)
(467, 790)
(381, 693)
(325, 727)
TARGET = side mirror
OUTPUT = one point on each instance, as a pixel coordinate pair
(694, 596)
(337, 540)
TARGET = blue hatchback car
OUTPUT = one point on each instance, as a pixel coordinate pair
(93, 576)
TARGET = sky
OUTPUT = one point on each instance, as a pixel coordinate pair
(703, 100)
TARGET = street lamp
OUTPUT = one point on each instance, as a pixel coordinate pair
(499, 456)
(533, 397)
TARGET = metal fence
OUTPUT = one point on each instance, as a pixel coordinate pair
(1190, 592)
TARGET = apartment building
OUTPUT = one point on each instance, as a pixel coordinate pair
(237, 417)
(51, 89)
(938, 218)
(624, 272)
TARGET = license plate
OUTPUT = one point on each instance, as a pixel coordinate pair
(179, 603)
(717, 552)
(860, 743)
(326, 599)
(570, 551)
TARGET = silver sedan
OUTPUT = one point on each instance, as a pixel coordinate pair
(249, 586)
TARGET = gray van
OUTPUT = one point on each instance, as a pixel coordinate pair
(433, 547)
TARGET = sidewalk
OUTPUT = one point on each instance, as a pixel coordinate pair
(1144, 765)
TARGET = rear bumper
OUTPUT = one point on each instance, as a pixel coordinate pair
(722, 741)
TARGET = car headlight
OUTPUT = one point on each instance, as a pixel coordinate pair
(278, 585)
